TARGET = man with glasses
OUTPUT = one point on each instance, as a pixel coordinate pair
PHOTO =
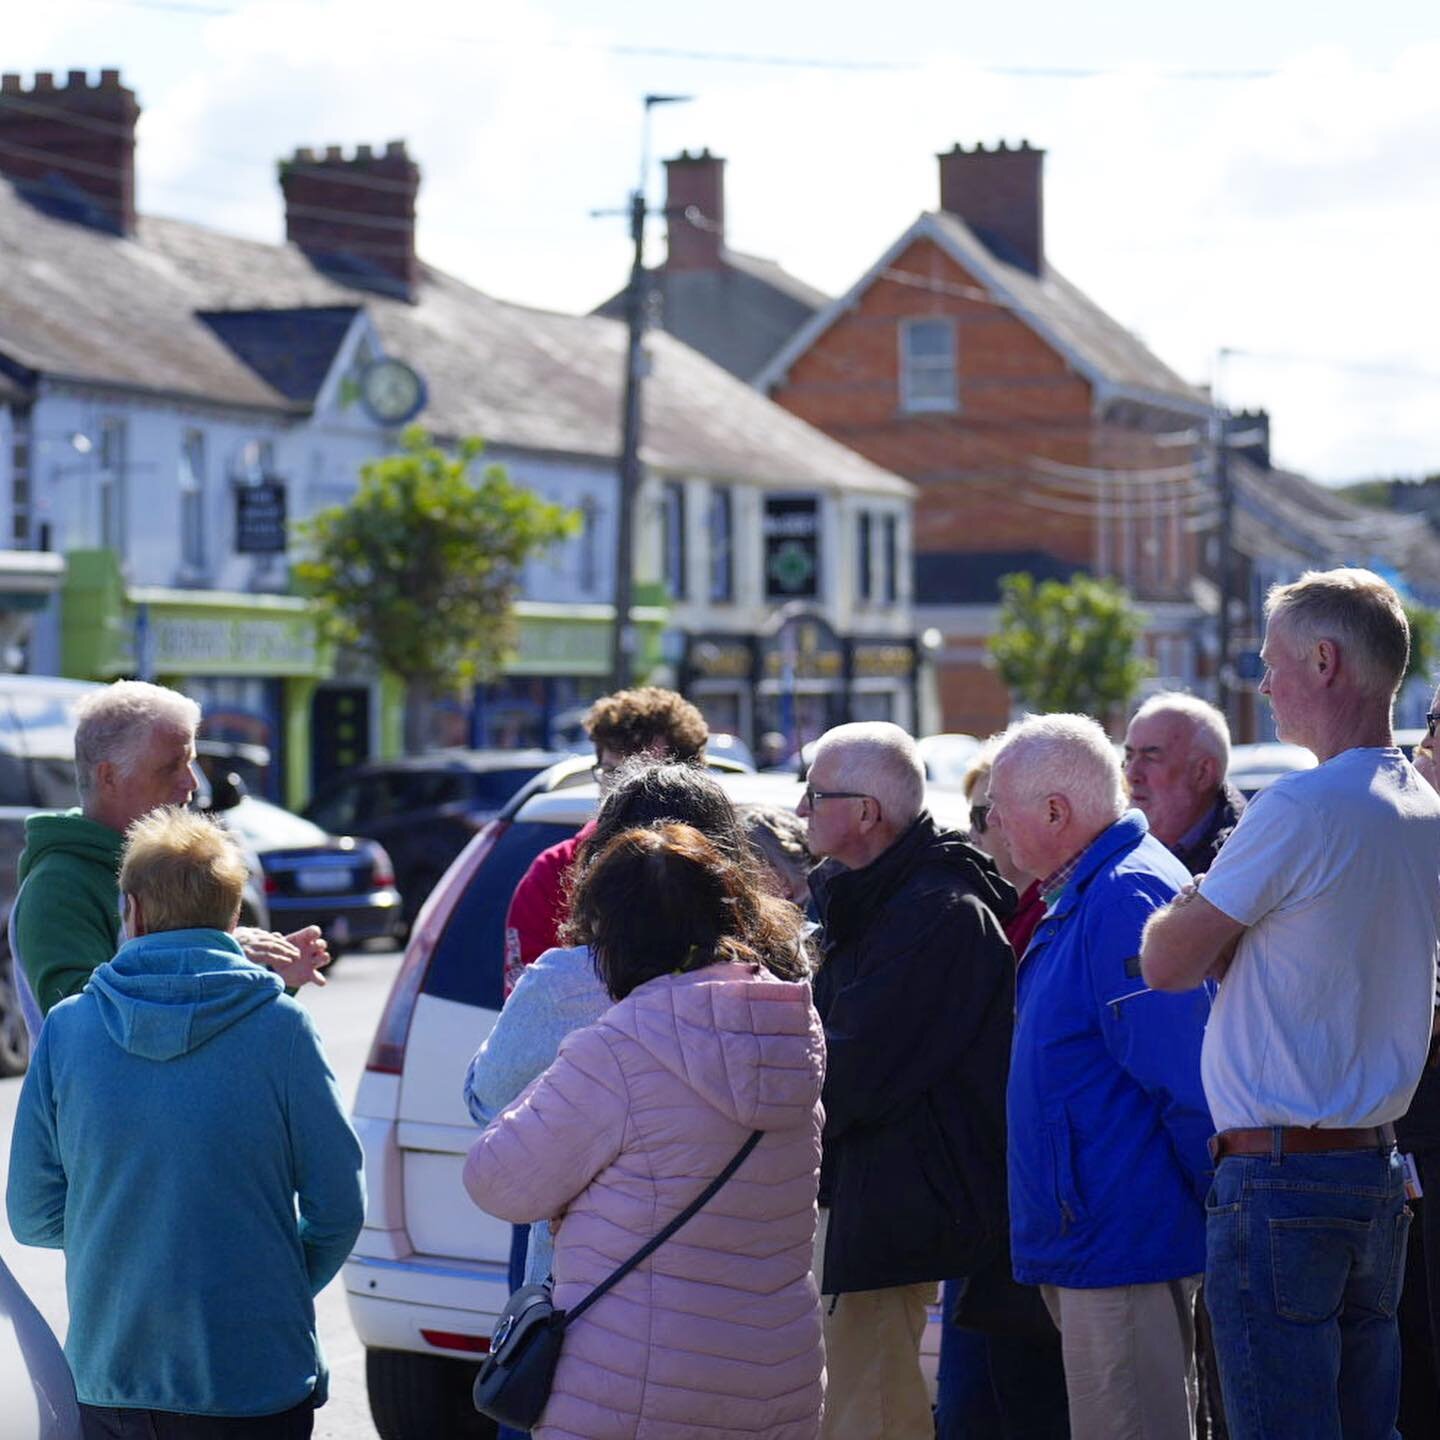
(916, 992)
(647, 721)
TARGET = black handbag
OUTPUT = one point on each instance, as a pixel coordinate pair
(513, 1385)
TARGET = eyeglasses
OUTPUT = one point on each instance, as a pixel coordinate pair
(812, 795)
(980, 818)
(1432, 718)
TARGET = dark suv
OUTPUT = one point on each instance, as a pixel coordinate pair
(425, 809)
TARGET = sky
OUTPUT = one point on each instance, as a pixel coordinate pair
(1251, 187)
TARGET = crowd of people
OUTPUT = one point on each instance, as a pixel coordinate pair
(1121, 1069)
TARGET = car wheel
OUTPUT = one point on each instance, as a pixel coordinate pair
(421, 1397)
(14, 1038)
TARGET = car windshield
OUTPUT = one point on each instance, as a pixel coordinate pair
(264, 826)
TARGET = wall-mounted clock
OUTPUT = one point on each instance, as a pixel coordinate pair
(391, 391)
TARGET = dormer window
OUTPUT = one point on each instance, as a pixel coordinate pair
(927, 365)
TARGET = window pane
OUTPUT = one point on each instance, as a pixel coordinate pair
(929, 338)
(722, 562)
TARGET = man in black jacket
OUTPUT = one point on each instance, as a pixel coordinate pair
(916, 991)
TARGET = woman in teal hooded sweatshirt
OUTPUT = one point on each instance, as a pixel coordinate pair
(181, 1136)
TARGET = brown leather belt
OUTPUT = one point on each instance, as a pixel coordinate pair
(1299, 1140)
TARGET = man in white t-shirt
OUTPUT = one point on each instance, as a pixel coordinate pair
(1320, 917)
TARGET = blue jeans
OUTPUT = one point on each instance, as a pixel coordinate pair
(1306, 1255)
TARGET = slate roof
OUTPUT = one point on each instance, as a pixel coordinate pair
(1280, 510)
(1111, 357)
(739, 313)
(81, 304)
(291, 350)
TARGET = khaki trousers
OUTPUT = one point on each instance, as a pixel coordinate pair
(875, 1389)
(1129, 1358)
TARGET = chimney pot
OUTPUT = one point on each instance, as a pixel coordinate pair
(695, 181)
(360, 232)
(74, 156)
(999, 194)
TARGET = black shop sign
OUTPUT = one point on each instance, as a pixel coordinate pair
(792, 548)
(260, 518)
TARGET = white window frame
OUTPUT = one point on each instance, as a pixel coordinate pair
(911, 402)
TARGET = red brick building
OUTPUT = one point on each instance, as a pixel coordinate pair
(1042, 434)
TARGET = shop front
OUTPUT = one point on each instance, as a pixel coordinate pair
(799, 679)
(561, 664)
(253, 662)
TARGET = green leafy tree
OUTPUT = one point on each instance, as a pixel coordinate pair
(1068, 645)
(1424, 641)
(419, 570)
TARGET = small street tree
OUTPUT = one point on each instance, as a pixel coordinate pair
(1068, 645)
(419, 571)
(1424, 642)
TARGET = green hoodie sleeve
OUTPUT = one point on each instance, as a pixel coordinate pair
(62, 932)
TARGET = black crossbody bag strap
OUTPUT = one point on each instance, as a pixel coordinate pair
(653, 1244)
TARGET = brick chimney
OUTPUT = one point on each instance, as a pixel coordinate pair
(695, 182)
(355, 216)
(70, 149)
(999, 194)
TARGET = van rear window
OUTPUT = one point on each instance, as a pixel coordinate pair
(469, 961)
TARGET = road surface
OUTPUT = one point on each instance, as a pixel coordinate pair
(345, 1012)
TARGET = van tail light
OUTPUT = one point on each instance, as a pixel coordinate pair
(452, 1340)
(387, 1052)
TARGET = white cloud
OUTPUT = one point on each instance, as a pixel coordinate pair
(1295, 215)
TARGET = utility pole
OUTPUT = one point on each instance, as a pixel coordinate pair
(622, 640)
(1225, 491)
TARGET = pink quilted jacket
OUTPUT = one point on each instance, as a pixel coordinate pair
(718, 1333)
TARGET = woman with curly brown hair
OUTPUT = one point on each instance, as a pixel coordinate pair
(720, 1327)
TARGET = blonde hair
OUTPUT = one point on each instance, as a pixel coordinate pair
(185, 871)
(1357, 609)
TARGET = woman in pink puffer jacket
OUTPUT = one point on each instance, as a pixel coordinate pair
(718, 1333)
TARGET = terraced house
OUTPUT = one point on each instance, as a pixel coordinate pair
(171, 397)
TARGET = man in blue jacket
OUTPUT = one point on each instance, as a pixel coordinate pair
(181, 1137)
(1107, 1121)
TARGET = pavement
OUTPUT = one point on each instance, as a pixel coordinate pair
(345, 1012)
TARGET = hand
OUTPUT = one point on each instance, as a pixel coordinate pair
(1424, 762)
(295, 958)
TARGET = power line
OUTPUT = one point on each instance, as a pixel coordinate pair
(772, 61)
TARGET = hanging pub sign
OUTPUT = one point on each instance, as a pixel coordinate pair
(792, 548)
(260, 518)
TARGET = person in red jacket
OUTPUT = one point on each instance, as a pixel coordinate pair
(647, 721)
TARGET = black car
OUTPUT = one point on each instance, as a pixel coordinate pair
(344, 885)
(424, 809)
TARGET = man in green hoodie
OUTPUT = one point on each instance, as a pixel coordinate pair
(134, 752)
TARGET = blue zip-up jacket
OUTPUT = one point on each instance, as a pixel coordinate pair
(1107, 1118)
(174, 1115)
